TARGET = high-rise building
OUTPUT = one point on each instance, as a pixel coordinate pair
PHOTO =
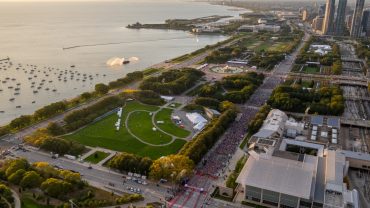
(341, 16)
(365, 24)
(349, 21)
(317, 24)
(321, 11)
(328, 26)
(305, 15)
(356, 19)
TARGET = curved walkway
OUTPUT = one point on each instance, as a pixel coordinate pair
(147, 143)
(17, 200)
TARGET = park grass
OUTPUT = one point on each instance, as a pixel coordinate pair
(103, 134)
(310, 70)
(96, 159)
(264, 46)
(168, 125)
(29, 203)
(140, 124)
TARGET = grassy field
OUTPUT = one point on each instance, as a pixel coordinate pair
(95, 159)
(168, 125)
(29, 203)
(140, 124)
(103, 134)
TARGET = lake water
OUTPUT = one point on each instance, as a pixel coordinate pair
(33, 35)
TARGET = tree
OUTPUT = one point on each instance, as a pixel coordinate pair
(56, 145)
(16, 177)
(15, 165)
(70, 176)
(31, 179)
(171, 167)
(101, 89)
(86, 95)
(55, 129)
(6, 193)
(20, 122)
(55, 187)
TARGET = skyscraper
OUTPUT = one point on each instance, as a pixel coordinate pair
(356, 19)
(322, 9)
(328, 26)
(365, 24)
(341, 16)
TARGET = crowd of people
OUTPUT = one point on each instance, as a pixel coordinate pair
(219, 156)
(216, 161)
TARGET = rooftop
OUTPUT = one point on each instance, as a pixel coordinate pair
(280, 175)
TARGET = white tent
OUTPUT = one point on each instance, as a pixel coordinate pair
(199, 126)
(196, 118)
(167, 98)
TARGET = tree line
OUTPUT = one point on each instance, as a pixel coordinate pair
(199, 145)
(324, 101)
(238, 87)
(42, 178)
(172, 82)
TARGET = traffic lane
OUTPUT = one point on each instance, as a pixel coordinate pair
(99, 176)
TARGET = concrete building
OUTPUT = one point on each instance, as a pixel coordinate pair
(317, 24)
(365, 24)
(341, 17)
(356, 19)
(328, 25)
(295, 172)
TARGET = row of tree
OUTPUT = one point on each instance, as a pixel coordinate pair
(127, 162)
(256, 123)
(172, 82)
(174, 168)
(199, 145)
(325, 100)
(53, 182)
(238, 88)
(56, 183)
(79, 118)
(145, 96)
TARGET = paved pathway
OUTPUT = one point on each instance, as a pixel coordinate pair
(17, 200)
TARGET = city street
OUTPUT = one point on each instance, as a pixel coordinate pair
(99, 176)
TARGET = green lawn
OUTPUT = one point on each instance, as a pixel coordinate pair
(263, 46)
(140, 124)
(29, 203)
(96, 157)
(311, 70)
(103, 134)
(168, 125)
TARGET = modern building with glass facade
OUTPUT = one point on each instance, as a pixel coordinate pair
(341, 18)
(328, 26)
(356, 28)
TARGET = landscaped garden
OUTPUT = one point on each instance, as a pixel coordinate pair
(137, 137)
(96, 157)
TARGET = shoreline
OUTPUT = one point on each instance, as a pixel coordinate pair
(11, 114)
